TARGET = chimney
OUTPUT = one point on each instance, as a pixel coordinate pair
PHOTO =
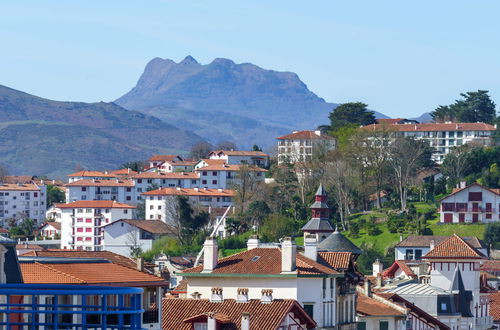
(140, 264)
(210, 251)
(253, 242)
(400, 238)
(379, 280)
(211, 321)
(242, 295)
(377, 267)
(311, 247)
(432, 245)
(318, 132)
(288, 255)
(267, 296)
(195, 189)
(245, 321)
(216, 295)
(128, 170)
(368, 288)
(196, 295)
(463, 184)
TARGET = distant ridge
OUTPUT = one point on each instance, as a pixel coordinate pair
(223, 100)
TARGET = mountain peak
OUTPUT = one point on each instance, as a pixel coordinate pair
(223, 61)
(188, 60)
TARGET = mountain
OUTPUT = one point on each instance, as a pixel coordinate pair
(45, 137)
(424, 118)
(224, 100)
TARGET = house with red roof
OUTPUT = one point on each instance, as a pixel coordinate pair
(323, 283)
(300, 146)
(50, 229)
(474, 203)
(238, 157)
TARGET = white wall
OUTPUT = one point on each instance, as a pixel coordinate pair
(119, 236)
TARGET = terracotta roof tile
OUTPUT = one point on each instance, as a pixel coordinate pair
(181, 287)
(91, 174)
(213, 161)
(368, 306)
(239, 153)
(227, 167)
(336, 260)
(104, 204)
(266, 316)
(56, 225)
(454, 247)
(123, 171)
(165, 175)
(398, 264)
(427, 127)
(151, 226)
(263, 261)
(425, 241)
(491, 265)
(101, 183)
(19, 187)
(36, 273)
(163, 158)
(305, 135)
(190, 192)
(495, 306)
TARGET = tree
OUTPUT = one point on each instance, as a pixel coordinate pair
(184, 220)
(350, 114)
(492, 235)
(456, 162)
(137, 165)
(277, 226)
(256, 213)
(226, 145)
(247, 187)
(25, 228)
(339, 178)
(140, 211)
(134, 244)
(256, 148)
(55, 195)
(200, 150)
(473, 107)
(407, 155)
(3, 173)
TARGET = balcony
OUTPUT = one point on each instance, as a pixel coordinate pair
(41, 306)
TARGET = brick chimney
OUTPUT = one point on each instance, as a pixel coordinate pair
(210, 254)
(311, 247)
(288, 255)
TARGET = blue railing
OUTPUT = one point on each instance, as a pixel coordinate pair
(42, 306)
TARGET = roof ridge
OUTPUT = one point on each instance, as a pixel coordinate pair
(61, 272)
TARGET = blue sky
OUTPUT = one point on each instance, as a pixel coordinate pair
(402, 58)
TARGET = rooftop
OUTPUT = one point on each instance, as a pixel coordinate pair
(336, 242)
(91, 174)
(456, 248)
(368, 306)
(163, 158)
(101, 183)
(190, 192)
(306, 135)
(20, 187)
(238, 153)
(102, 204)
(165, 175)
(227, 167)
(495, 306)
(429, 127)
(425, 241)
(151, 226)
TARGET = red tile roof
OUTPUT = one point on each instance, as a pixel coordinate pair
(95, 205)
(425, 241)
(101, 183)
(368, 306)
(87, 273)
(190, 192)
(398, 264)
(238, 153)
(213, 161)
(227, 167)
(456, 190)
(456, 248)
(303, 135)
(56, 225)
(163, 158)
(19, 187)
(165, 175)
(491, 265)
(91, 174)
(336, 260)
(151, 226)
(263, 261)
(179, 313)
(388, 120)
(428, 127)
(123, 171)
(495, 306)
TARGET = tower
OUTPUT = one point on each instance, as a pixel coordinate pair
(319, 225)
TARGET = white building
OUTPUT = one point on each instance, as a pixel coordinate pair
(225, 176)
(301, 146)
(122, 235)
(472, 204)
(322, 283)
(50, 230)
(159, 202)
(90, 175)
(169, 163)
(118, 190)
(146, 180)
(443, 137)
(82, 221)
(238, 157)
(21, 201)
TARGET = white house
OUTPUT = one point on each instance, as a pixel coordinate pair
(21, 201)
(225, 176)
(414, 247)
(301, 146)
(145, 180)
(159, 202)
(158, 162)
(90, 175)
(118, 190)
(122, 235)
(50, 229)
(442, 137)
(322, 283)
(471, 204)
(82, 221)
(238, 157)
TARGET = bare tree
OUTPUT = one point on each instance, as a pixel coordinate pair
(200, 150)
(456, 162)
(3, 173)
(339, 178)
(226, 145)
(133, 244)
(247, 186)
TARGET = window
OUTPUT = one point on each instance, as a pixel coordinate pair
(361, 325)
(129, 198)
(139, 181)
(129, 189)
(214, 173)
(309, 308)
(88, 230)
(384, 325)
(79, 238)
(150, 180)
(88, 220)
(125, 211)
(204, 173)
(409, 254)
(35, 194)
(79, 230)
(193, 181)
(203, 181)
(159, 207)
(79, 220)
(79, 211)
(214, 181)
(139, 189)
(88, 210)
(84, 188)
(475, 196)
(88, 238)
(418, 254)
(151, 207)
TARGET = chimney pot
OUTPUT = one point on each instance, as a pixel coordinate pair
(377, 267)
(432, 245)
(210, 254)
(245, 321)
(216, 295)
(288, 255)
(311, 247)
(267, 296)
(196, 295)
(242, 295)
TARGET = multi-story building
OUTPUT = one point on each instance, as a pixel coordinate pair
(90, 175)
(82, 221)
(302, 146)
(21, 201)
(237, 157)
(118, 190)
(471, 204)
(147, 180)
(442, 137)
(159, 203)
(169, 163)
(224, 176)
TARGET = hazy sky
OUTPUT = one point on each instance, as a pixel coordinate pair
(402, 58)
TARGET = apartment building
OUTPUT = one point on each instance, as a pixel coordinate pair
(225, 176)
(442, 137)
(82, 221)
(159, 202)
(301, 146)
(237, 157)
(471, 204)
(90, 175)
(147, 180)
(21, 201)
(118, 190)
